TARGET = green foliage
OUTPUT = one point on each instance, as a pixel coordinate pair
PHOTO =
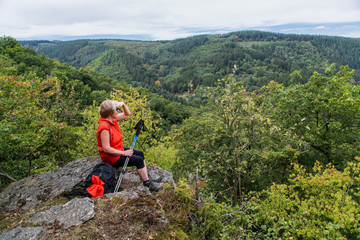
(138, 106)
(170, 113)
(238, 148)
(318, 205)
(111, 63)
(163, 154)
(206, 219)
(49, 113)
(41, 102)
(169, 67)
(86, 134)
(24, 125)
(234, 144)
(322, 113)
(274, 163)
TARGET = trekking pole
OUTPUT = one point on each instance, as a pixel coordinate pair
(140, 125)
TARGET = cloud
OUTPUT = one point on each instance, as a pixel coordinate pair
(320, 28)
(350, 27)
(164, 19)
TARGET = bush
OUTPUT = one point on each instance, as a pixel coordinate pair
(319, 205)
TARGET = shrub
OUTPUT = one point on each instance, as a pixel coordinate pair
(319, 205)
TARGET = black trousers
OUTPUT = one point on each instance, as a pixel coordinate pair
(137, 159)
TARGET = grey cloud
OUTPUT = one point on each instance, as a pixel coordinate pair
(165, 18)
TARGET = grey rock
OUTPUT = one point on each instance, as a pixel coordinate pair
(140, 188)
(73, 213)
(129, 193)
(124, 194)
(29, 192)
(157, 174)
(30, 233)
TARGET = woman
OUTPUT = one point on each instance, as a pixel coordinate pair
(110, 144)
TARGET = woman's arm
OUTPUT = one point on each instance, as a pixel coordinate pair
(125, 114)
(105, 142)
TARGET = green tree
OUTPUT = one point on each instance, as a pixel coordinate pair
(319, 205)
(86, 133)
(24, 124)
(235, 145)
(324, 114)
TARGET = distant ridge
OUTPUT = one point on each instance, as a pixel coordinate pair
(139, 37)
(173, 66)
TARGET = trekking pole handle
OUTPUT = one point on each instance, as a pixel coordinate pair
(140, 125)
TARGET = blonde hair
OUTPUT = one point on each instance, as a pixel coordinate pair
(107, 108)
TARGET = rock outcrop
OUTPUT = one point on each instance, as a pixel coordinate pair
(28, 193)
(73, 213)
(29, 233)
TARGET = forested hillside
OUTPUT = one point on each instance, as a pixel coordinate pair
(181, 65)
(279, 162)
(46, 106)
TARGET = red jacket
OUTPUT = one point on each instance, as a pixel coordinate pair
(115, 139)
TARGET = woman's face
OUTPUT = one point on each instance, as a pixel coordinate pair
(115, 112)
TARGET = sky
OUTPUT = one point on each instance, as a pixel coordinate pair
(173, 19)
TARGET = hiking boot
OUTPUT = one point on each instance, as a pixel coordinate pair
(153, 186)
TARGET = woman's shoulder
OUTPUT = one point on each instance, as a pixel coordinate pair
(103, 123)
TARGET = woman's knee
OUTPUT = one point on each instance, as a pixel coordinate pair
(141, 164)
(139, 153)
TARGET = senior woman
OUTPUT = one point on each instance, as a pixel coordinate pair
(110, 144)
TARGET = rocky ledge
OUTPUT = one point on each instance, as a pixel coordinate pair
(25, 195)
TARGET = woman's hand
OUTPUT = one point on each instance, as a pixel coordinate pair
(125, 111)
(119, 104)
(128, 153)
